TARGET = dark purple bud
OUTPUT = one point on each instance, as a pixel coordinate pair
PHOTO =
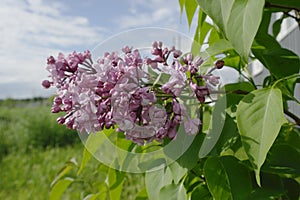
(87, 54)
(58, 100)
(55, 109)
(165, 51)
(177, 53)
(46, 84)
(193, 70)
(148, 61)
(68, 101)
(156, 52)
(70, 124)
(126, 49)
(219, 64)
(159, 59)
(61, 120)
(50, 60)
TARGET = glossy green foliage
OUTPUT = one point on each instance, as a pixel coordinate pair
(248, 148)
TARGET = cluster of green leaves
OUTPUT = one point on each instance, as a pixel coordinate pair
(256, 156)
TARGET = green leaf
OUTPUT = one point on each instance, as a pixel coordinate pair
(190, 9)
(201, 32)
(278, 162)
(229, 136)
(92, 196)
(190, 157)
(240, 87)
(201, 192)
(177, 171)
(277, 27)
(292, 188)
(259, 119)
(232, 101)
(290, 3)
(243, 24)
(181, 4)
(232, 59)
(227, 178)
(65, 170)
(173, 192)
(114, 181)
(60, 187)
(279, 61)
(216, 126)
(218, 10)
(271, 188)
(216, 48)
(142, 195)
(155, 180)
(238, 20)
(92, 144)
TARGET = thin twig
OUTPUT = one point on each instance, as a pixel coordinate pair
(293, 116)
(269, 5)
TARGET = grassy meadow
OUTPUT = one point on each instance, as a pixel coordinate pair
(33, 148)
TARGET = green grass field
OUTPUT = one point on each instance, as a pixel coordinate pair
(33, 148)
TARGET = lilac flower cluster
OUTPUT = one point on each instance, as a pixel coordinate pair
(116, 91)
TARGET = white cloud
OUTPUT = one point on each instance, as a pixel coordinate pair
(32, 30)
(151, 13)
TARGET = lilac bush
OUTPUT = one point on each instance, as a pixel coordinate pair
(119, 91)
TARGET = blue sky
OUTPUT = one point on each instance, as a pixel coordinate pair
(31, 30)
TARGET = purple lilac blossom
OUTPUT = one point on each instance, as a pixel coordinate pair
(112, 92)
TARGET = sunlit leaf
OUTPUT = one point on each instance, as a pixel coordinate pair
(218, 10)
(190, 9)
(173, 192)
(177, 171)
(238, 20)
(243, 24)
(92, 144)
(65, 170)
(60, 187)
(259, 118)
(157, 179)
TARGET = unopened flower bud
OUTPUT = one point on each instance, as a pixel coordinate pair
(198, 61)
(165, 51)
(177, 53)
(127, 49)
(50, 60)
(219, 64)
(61, 120)
(58, 100)
(189, 57)
(154, 44)
(46, 84)
(159, 44)
(55, 109)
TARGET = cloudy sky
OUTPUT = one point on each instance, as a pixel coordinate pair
(31, 30)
